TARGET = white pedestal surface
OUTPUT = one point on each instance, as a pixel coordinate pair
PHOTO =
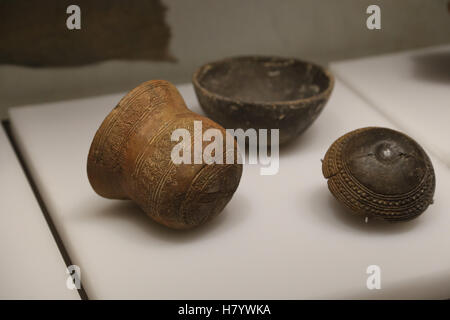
(31, 265)
(411, 88)
(281, 237)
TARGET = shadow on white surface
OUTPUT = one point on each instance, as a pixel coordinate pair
(433, 66)
(337, 214)
(296, 145)
(135, 221)
(312, 135)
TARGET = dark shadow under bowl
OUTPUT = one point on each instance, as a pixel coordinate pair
(263, 93)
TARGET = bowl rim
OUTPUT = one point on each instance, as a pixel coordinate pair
(206, 67)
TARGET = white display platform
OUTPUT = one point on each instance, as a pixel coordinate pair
(280, 237)
(411, 88)
(31, 265)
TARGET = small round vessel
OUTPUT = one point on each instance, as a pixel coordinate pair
(381, 173)
(263, 92)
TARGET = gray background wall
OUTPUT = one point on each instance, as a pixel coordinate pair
(318, 30)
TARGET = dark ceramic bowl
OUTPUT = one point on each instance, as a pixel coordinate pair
(263, 93)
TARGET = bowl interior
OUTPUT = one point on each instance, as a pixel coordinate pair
(263, 79)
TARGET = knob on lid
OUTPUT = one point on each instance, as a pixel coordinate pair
(385, 161)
